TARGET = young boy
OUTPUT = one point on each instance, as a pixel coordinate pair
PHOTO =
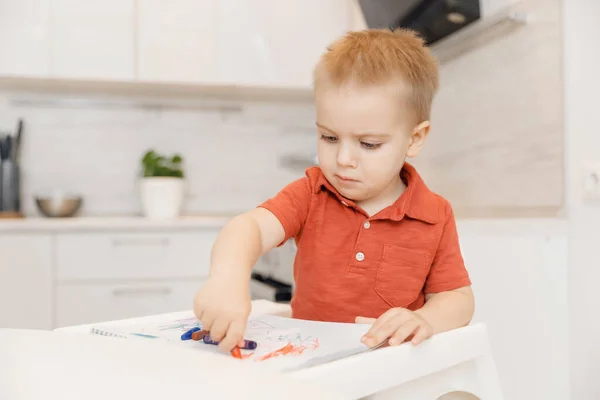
(374, 245)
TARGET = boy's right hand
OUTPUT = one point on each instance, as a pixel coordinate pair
(223, 306)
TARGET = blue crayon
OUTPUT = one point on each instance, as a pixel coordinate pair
(188, 334)
(248, 344)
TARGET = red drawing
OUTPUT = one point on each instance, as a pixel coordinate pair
(290, 349)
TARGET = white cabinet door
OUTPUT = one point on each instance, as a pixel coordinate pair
(88, 303)
(92, 39)
(177, 41)
(24, 38)
(26, 281)
(519, 275)
(274, 42)
(133, 255)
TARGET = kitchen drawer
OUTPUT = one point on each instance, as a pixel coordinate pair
(82, 303)
(133, 255)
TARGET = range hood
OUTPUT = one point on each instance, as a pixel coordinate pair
(433, 19)
(449, 27)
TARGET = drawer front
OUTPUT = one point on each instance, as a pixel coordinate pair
(131, 255)
(89, 303)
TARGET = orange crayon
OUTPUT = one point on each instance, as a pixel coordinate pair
(236, 352)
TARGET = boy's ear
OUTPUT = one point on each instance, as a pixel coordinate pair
(417, 139)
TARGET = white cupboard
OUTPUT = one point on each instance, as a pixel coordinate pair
(92, 40)
(519, 274)
(177, 43)
(26, 281)
(67, 277)
(24, 40)
(256, 43)
(94, 302)
(277, 43)
(126, 255)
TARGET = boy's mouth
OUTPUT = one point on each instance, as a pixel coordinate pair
(345, 178)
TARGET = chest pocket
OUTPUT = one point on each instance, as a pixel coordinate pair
(401, 275)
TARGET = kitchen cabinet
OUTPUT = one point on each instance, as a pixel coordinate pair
(92, 40)
(96, 302)
(277, 43)
(122, 274)
(238, 42)
(57, 273)
(26, 281)
(259, 43)
(519, 272)
(116, 255)
(177, 42)
(24, 38)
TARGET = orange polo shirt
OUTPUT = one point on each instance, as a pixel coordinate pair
(349, 264)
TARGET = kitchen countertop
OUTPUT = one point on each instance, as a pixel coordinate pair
(476, 226)
(111, 222)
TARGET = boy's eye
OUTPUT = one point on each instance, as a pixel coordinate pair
(370, 146)
(331, 139)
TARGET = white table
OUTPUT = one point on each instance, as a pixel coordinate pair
(455, 361)
(37, 364)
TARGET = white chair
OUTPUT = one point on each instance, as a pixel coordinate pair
(451, 365)
(456, 364)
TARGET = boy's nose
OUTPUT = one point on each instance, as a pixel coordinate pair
(345, 157)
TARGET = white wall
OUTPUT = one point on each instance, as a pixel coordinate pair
(496, 143)
(94, 148)
(582, 144)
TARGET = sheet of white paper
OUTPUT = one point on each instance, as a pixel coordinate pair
(283, 343)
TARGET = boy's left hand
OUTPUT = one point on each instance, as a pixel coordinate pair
(397, 324)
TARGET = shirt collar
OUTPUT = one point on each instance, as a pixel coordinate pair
(417, 201)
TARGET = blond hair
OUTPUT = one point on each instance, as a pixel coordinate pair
(378, 56)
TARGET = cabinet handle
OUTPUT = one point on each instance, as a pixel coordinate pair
(142, 290)
(141, 242)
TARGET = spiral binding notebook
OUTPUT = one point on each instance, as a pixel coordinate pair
(283, 343)
(108, 332)
(103, 332)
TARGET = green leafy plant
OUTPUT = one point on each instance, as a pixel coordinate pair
(155, 164)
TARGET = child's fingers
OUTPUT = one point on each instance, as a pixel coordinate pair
(219, 329)
(404, 331)
(207, 321)
(382, 329)
(422, 334)
(364, 320)
(198, 311)
(234, 336)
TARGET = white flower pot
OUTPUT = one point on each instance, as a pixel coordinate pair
(161, 197)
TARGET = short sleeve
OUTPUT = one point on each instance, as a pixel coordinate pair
(448, 271)
(290, 206)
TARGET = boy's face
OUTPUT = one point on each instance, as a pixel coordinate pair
(364, 136)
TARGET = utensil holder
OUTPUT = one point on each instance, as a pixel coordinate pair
(10, 197)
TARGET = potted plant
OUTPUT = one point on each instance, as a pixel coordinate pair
(162, 185)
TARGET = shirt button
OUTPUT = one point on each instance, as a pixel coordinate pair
(367, 224)
(360, 256)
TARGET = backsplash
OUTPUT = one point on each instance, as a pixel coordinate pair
(496, 143)
(92, 147)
